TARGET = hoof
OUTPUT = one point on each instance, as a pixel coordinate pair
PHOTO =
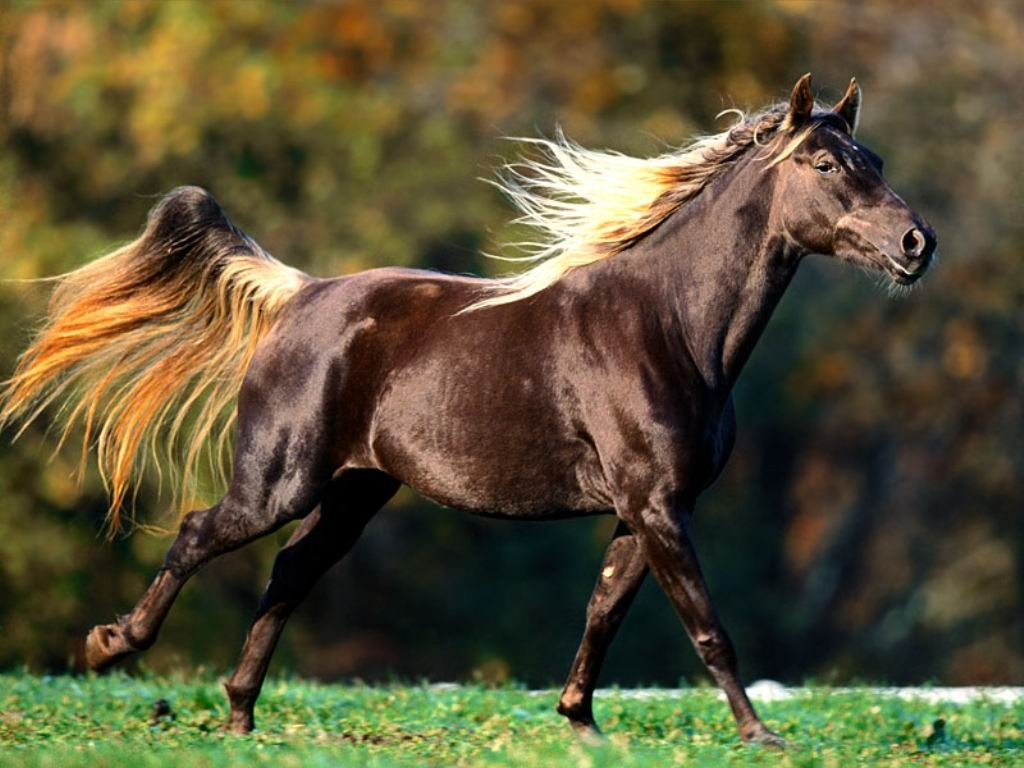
(240, 723)
(762, 737)
(588, 732)
(105, 646)
(242, 701)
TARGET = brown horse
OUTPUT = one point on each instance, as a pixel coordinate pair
(597, 382)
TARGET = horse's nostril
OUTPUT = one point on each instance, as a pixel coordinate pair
(913, 242)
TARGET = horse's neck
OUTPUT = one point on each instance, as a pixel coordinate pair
(719, 268)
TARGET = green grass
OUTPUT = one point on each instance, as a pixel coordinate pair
(106, 721)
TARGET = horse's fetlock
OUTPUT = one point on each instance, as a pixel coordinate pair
(138, 643)
(241, 696)
(574, 704)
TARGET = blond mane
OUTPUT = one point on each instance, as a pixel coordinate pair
(587, 205)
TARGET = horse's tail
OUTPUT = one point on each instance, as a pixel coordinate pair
(147, 346)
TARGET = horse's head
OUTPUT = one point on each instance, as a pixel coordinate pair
(832, 196)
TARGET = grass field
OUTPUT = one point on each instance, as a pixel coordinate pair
(107, 721)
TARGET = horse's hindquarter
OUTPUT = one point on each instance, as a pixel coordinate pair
(471, 410)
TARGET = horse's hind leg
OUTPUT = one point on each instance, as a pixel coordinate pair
(321, 540)
(279, 477)
(621, 575)
(203, 536)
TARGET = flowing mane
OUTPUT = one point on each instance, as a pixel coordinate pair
(587, 205)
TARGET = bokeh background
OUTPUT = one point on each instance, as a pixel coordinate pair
(871, 522)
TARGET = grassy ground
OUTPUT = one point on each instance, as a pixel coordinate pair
(107, 721)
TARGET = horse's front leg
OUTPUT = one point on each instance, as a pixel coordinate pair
(621, 575)
(662, 528)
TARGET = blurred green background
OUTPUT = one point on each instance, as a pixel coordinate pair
(870, 523)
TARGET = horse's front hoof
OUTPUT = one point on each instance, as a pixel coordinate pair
(240, 723)
(105, 646)
(588, 732)
(763, 737)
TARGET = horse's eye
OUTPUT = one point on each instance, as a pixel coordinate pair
(826, 167)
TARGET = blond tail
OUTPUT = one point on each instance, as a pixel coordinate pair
(146, 347)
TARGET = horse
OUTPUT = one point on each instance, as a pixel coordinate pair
(596, 382)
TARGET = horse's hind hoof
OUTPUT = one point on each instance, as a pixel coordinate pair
(762, 737)
(105, 646)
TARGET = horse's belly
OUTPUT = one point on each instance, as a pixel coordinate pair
(515, 473)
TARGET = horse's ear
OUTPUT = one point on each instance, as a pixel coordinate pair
(848, 107)
(801, 102)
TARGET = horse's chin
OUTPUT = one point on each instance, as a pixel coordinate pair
(902, 275)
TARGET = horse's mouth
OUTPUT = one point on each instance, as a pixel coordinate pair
(901, 274)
